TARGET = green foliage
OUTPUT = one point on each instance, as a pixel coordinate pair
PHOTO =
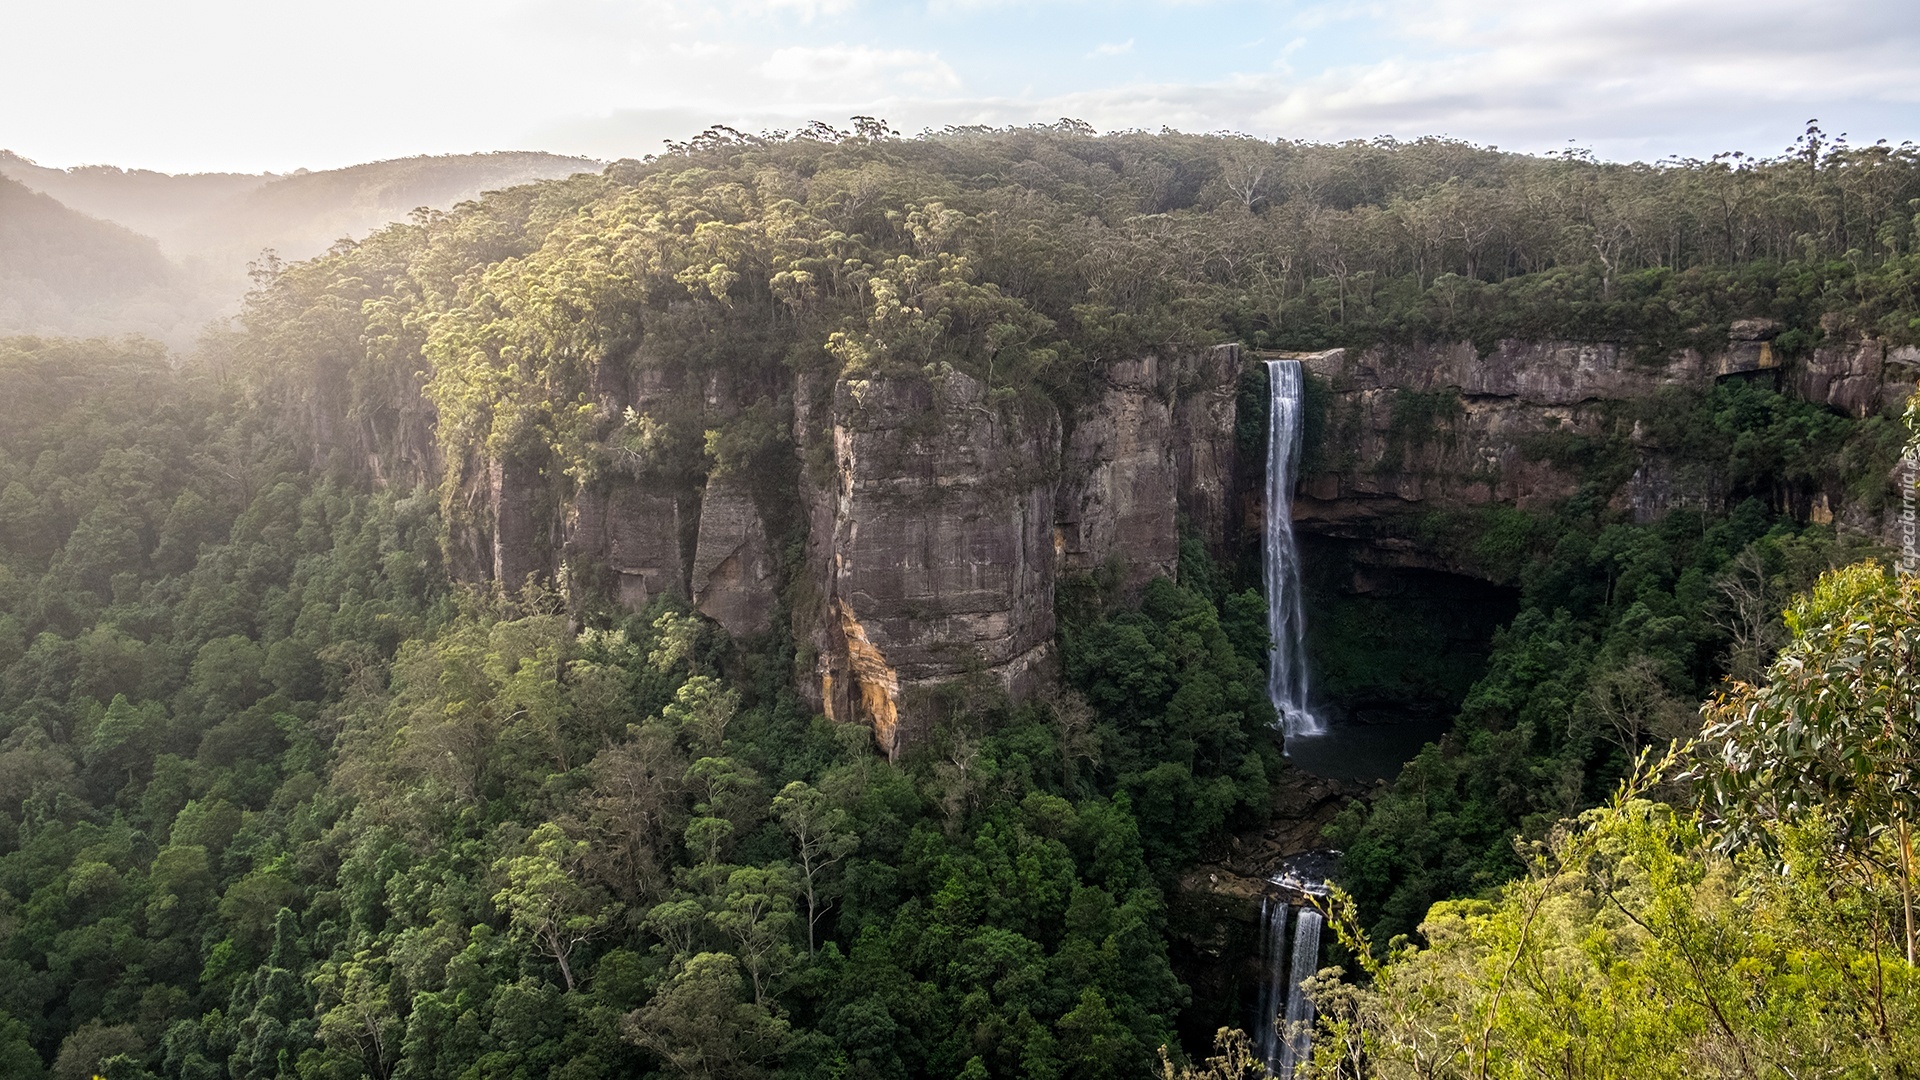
(277, 801)
(1832, 730)
(1605, 657)
(1031, 260)
(1182, 721)
(282, 806)
(1634, 947)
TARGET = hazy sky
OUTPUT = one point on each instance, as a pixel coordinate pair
(185, 85)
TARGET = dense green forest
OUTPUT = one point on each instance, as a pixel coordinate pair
(285, 790)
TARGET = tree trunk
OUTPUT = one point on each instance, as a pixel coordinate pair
(1905, 840)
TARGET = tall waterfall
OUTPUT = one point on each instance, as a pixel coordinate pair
(1296, 1038)
(1286, 618)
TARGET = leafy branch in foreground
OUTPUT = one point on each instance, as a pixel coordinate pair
(1832, 732)
(1637, 946)
(1756, 933)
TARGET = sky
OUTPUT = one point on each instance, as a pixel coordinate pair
(253, 85)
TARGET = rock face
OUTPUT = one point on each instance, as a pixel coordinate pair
(1206, 464)
(1441, 425)
(732, 577)
(1861, 377)
(519, 533)
(1156, 446)
(1117, 495)
(632, 531)
(945, 519)
(932, 548)
(937, 516)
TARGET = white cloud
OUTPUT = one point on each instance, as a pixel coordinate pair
(835, 72)
(807, 10)
(124, 81)
(1538, 73)
(1632, 78)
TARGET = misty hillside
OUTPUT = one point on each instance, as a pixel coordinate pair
(161, 205)
(63, 271)
(211, 225)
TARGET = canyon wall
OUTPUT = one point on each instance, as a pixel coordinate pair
(946, 517)
(929, 519)
(935, 518)
(1417, 428)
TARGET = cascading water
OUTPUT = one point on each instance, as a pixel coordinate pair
(1273, 989)
(1286, 618)
(1296, 1037)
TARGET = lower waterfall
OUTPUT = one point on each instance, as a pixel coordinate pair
(1296, 1037)
(1283, 1031)
(1273, 985)
(1286, 615)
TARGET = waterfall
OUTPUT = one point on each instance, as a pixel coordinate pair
(1286, 618)
(1273, 988)
(1297, 1035)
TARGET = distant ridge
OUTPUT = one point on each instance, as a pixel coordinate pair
(204, 228)
(64, 272)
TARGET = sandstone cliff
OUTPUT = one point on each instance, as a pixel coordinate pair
(946, 518)
(1412, 429)
(937, 517)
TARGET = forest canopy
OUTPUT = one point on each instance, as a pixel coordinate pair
(285, 792)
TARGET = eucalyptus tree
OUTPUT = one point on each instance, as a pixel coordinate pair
(1833, 730)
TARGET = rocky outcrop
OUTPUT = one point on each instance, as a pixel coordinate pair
(1117, 498)
(942, 519)
(1749, 348)
(931, 544)
(1156, 447)
(1860, 377)
(632, 530)
(1443, 425)
(938, 516)
(1417, 428)
(1206, 463)
(519, 548)
(732, 579)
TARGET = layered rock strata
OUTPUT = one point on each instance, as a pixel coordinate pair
(1445, 425)
(1410, 429)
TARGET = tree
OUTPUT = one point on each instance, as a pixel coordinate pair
(544, 901)
(634, 811)
(1833, 727)
(702, 1029)
(822, 837)
(757, 912)
(17, 1057)
(1233, 1059)
(1635, 947)
(357, 1016)
(702, 708)
(90, 1046)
